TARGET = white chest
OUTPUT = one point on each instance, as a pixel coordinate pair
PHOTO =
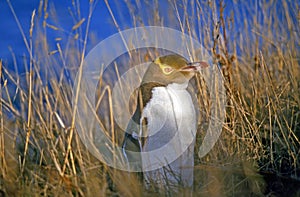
(171, 125)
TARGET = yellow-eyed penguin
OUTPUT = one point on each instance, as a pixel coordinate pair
(163, 126)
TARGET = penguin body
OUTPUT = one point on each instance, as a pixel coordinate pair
(170, 112)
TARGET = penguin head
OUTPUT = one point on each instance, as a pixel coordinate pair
(176, 69)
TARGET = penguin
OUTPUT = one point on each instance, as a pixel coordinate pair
(163, 126)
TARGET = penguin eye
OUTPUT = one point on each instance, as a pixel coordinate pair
(167, 70)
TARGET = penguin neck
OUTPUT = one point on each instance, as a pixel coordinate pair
(178, 86)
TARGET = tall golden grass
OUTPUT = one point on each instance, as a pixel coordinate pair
(257, 153)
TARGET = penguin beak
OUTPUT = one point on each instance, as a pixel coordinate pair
(194, 66)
